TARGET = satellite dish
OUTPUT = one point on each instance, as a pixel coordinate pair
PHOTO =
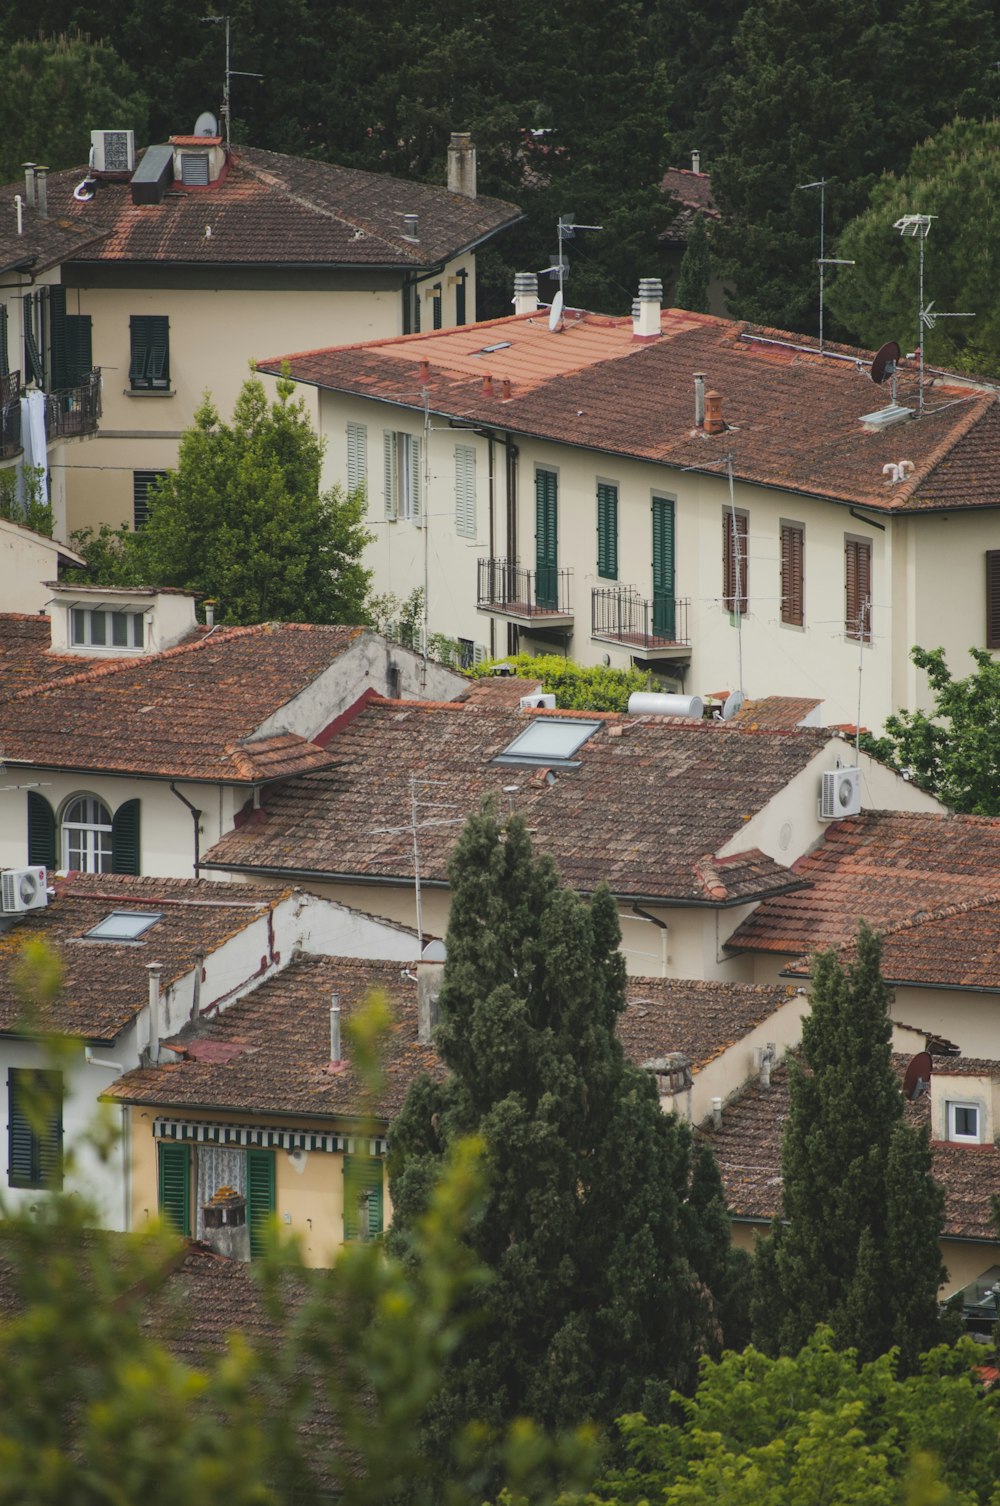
(732, 704)
(206, 124)
(884, 363)
(918, 1075)
(434, 951)
(556, 311)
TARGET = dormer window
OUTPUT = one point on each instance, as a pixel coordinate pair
(963, 1123)
(101, 627)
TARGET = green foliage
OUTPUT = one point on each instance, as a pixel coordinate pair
(857, 1244)
(955, 176)
(815, 1430)
(955, 751)
(21, 499)
(242, 520)
(606, 1240)
(56, 88)
(577, 687)
(691, 291)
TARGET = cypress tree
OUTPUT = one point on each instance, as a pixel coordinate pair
(696, 270)
(857, 1246)
(607, 1242)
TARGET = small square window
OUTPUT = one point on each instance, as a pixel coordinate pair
(123, 925)
(963, 1122)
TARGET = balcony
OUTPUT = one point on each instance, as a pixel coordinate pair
(10, 415)
(539, 599)
(74, 411)
(650, 630)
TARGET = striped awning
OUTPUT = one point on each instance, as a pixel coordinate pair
(207, 1132)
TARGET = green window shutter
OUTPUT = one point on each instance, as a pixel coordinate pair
(142, 502)
(460, 301)
(79, 349)
(125, 838)
(175, 1186)
(4, 361)
(33, 369)
(414, 448)
(58, 345)
(41, 831)
(34, 1128)
(437, 306)
(607, 531)
(362, 1197)
(391, 473)
(260, 1197)
(546, 538)
(149, 366)
(663, 566)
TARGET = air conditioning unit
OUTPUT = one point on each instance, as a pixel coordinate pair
(114, 151)
(840, 794)
(537, 703)
(22, 889)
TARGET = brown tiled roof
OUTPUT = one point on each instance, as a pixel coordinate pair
(269, 209)
(106, 983)
(692, 193)
(189, 712)
(257, 1068)
(748, 1152)
(775, 713)
(958, 945)
(650, 804)
(891, 867)
(44, 243)
(500, 691)
(24, 658)
(792, 415)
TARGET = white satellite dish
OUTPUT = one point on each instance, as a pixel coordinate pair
(434, 951)
(556, 311)
(732, 704)
(206, 124)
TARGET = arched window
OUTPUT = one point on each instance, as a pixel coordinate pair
(86, 835)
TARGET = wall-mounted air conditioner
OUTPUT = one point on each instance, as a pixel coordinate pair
(114, 151)
(22, 889)
(537, 702)
(840, 794)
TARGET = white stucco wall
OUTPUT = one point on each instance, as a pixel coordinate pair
(27, 560)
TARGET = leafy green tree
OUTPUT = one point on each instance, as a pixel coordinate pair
(242, 520)
(577, 687)
(954, 751)
(607, 1244)
(856, 1245)
(954, 176)
(817, 1430)
(54, 89)
(691, 291)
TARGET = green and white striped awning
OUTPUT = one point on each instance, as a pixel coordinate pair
(208, 1132)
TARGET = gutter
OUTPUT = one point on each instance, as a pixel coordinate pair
(952, 988)
(96, 771)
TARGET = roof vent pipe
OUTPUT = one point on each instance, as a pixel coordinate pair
(29, 184)
(410, 224)
(699, 399)
(525, 292)
(154, 969)
(650, 298)
(717, 1113)
(210, 614)
(42, 185)
(19, 206)
(696, 162)
(335, 1056)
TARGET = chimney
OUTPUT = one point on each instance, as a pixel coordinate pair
(154, 969)
(42, 185)
(410, 223)
(699, 399)
(714, 423)
(224, 1218)
(335, 1057)
(487, 385)
(29, 184)
(506, 390)
(696, 162)
(425, 372)
(717, 1113)
(525, 292)
(210, 614)
(647, 326)
(462, 165)
(429, 979)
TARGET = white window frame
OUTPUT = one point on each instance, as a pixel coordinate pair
(97, 627)
(953, 1133)
(402, 477)
(465, 491)
(87, 842)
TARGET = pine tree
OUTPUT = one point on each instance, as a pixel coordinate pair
(857, 1246)
(696, 270)
(606, 1240)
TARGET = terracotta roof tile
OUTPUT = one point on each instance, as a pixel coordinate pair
(25, 660)
(792, 414)
(645, 810)
(500, 691)
(106, 984)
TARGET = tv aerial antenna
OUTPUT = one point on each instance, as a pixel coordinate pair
(917, 227)
(420, 797)
(230, 72)
(823, 261)
(565, 231)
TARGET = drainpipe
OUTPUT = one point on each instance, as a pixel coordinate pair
(154, 969)
(196, 814)
(492, 494)
(199, 960)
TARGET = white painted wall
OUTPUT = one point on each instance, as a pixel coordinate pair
(729, 1072)
(27, 560)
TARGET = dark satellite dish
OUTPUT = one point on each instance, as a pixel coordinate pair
(918, 1075)
(884, 363)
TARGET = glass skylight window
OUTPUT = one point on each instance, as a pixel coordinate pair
(547, 741)
(124, 925)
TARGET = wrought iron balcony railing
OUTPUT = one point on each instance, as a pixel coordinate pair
(510, 590)
(618, 614)
(74, 410)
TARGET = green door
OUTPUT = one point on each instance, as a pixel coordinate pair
(663, 567)
(546, 540)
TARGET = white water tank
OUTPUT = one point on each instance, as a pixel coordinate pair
(656, 703)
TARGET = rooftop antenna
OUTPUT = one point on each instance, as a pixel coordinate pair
(917, 227)
(230, 73)
(415, 826)
(565, 230)
(823, 261)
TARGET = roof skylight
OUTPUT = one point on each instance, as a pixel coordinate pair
(548, 740)
(124, 925)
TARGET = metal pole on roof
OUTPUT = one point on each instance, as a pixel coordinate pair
(425, 523)
(738, 559)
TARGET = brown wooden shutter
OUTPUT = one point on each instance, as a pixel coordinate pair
(993, 598)
(792, 584)
(858, 589)
(729, 553)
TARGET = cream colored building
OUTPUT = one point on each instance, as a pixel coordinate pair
(568, 489)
